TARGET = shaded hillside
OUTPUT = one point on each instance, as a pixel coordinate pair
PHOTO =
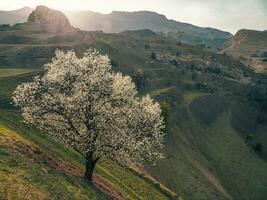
(215, 108)
(15, 16)
(249, 46)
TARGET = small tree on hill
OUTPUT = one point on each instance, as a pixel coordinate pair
(153, 55)
(84, 104)
(258, 147)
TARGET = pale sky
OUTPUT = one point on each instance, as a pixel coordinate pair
(228, 15)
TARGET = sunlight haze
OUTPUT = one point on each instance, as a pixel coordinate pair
(228, 15)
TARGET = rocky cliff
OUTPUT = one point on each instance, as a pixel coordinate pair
(52, 21)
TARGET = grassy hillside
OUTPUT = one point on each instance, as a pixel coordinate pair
(35, 167)
(205, 148)
(7, 72)
(26, 172)
(211, 102)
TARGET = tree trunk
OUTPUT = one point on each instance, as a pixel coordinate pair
(90, 166)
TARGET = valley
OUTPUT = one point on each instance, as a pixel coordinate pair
(213, 105)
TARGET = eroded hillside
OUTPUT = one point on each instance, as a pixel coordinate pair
(250, 47)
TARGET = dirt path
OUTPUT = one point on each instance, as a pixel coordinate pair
(107, 188)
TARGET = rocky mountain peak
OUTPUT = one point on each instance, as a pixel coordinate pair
(53, 21)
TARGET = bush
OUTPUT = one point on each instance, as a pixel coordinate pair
(157, 185)
(258, 147)
(113, 63)
(179, 43)
(262, 119)
(166, 109)
(14, 162)
(214, 69)
(146, 46)
(194, 76)
(249, 138)
(153, 55)
(174, 62)
(139, 79)
(204, 87)
(264, 54)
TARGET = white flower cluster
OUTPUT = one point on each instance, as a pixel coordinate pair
(83, 103)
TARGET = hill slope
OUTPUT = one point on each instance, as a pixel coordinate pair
(211, 102)
(15, 16)
(33, 166)
(251, 46)
(117, 21)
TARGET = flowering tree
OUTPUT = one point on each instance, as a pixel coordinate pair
(84, 104)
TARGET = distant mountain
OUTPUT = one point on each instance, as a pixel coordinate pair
(15, 16)
(251, 47)
(116, 22)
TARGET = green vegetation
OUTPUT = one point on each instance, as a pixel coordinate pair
(160, 91)
(9, 72)
(29, 172)
(208, 118)
(51, 171)
(153, 55)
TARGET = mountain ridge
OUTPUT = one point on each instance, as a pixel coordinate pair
(119, 21)
(15, 16)
(141, 13)
(250, 46)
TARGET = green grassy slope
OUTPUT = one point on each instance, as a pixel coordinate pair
(211, 160)
(24, 178)
(35, 167)
(211, 103)
(9, 72)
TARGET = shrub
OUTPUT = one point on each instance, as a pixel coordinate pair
(258, 147)
(146, 46)
(174, 62)
(153, 55)
(264, 54)
(139, 79)
(194, 76)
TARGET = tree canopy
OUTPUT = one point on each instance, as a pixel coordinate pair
(83, 103)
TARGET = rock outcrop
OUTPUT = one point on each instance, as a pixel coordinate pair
(52, 21)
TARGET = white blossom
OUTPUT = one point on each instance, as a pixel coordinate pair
(83, 103)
